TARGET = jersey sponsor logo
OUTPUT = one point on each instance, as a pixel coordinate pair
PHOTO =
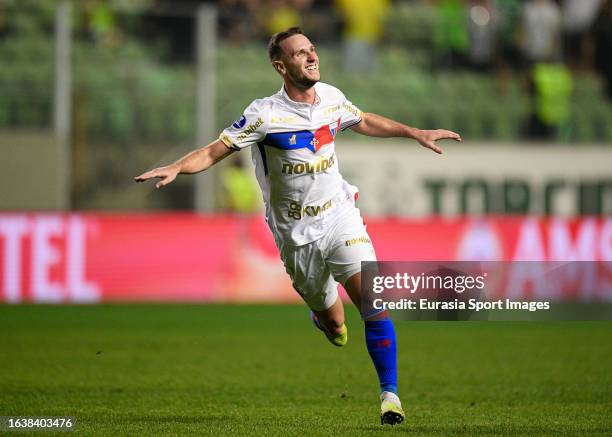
(239, 124)
(359, 240)
(251, 128)
(304, 139)
(321, 164)
(287, 120)
(332, 109)
(297, 211)
(346, 106)
(352, 109)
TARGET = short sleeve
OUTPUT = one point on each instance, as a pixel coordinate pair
(351, 115)
(249, 129)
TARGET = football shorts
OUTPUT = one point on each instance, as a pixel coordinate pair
(317, 268)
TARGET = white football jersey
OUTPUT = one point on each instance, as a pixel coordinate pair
(295, 160)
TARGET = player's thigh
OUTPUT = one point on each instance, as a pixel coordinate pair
(310, 275)
(349, 246)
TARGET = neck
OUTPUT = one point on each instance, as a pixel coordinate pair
(301, 95)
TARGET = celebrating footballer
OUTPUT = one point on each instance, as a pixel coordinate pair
(310, 209)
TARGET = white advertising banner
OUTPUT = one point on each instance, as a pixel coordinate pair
(404, 179)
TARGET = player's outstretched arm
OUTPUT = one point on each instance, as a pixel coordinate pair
(375, 125)
(194, 162)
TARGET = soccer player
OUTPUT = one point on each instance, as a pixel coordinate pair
(310, 208)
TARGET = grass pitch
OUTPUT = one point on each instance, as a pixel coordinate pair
(264, 370)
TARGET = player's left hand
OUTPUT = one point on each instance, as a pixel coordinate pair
(428, 138)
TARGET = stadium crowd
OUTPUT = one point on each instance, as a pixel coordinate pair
(545, 63)
(478, 34)
(544, 41)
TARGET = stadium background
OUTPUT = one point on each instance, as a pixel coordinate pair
(132, 85)
(93, 93)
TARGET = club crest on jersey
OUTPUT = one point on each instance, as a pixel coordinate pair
(239, 124)
(324, 135)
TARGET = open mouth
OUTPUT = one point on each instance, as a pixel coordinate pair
(312, 67)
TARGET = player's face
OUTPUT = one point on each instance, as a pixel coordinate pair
(300, 61)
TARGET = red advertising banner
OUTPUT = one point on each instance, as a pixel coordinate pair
(190, 257)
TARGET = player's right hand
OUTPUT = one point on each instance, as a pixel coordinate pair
(166, 175)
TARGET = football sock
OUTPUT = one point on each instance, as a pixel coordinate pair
(380, 341)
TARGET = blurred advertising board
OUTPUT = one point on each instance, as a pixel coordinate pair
(57, 258)
(404, 179)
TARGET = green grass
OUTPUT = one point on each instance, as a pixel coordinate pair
(263, 370)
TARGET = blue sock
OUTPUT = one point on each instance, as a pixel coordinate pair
(380, 340)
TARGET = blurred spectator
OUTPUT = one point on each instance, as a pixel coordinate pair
(451, 36)
(602, 31)
(228, 11)
(280, 15)
(101, 22)
(541, 27)
(319, 17)
(509, 12)
(241, 191)
(483, 23)
(578, 18)
(238, 21)
(363, 28)
(552, 87)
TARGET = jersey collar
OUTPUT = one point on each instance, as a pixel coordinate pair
(285, 96)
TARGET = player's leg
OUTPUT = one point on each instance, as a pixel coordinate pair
(350, 247)
(380, 337)
(313, 281)
(382, 347)
(331, 322)
(331, 319)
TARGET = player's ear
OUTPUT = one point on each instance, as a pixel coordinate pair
(279, 67)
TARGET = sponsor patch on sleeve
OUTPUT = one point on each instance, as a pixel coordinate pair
(239, 124)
